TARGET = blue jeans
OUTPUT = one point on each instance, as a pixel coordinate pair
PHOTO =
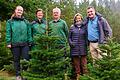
(17, 52)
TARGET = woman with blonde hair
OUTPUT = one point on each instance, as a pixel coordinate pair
(18, 37)
(78, 45)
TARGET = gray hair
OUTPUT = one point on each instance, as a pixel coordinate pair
(58, 9)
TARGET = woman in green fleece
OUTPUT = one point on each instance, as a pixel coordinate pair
(39, 24)
(38, 27)
(18, 35)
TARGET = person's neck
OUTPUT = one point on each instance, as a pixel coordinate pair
(18, 16)
(56, 19)
(39, 19)
(93, 17)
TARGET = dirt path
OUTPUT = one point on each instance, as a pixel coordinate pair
(5, 76)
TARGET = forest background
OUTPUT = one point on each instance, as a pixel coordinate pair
(108, 8)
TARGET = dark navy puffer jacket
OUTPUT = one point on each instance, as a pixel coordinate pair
(78, 40)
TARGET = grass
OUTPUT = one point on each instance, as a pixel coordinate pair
(6, 76)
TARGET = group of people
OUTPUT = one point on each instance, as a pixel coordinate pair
(92, 30)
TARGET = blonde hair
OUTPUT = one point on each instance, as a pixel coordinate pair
(13, 15)
(78, 14)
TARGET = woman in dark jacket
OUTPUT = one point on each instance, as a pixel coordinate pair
(78, 45)
(18, 36)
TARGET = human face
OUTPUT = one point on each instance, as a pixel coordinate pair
(56, 14)
(18, 11)
(39, 14)
(91, 13)
(78, 18)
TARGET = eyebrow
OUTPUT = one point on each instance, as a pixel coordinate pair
(89, 11)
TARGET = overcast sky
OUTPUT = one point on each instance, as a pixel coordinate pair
(82, 0)
(89, 0)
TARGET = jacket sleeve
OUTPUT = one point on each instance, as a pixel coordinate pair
(30, 40)
(66, 29)
(70, 37)
(8, 32)
(107, 29)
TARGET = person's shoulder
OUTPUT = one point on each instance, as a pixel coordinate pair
(43, 21)
(9, 20)
(85, 21)
(50, 22)
(26, 21)
(33, 22)
(100, 17)
(72, 26)
(62, 20)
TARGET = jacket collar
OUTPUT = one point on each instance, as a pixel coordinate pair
(16, 18)
(56, 21)
(41, 21)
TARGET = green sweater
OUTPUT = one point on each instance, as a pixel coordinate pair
(38, 28)
(18, 31)
(59, 29)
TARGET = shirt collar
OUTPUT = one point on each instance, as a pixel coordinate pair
(41, 21)
(56, 21)
(16, 18)
(94, 19)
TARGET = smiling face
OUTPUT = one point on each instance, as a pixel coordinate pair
(18, 11)
(91, 13)
(56, 13)
(78, 18)
(39, 14)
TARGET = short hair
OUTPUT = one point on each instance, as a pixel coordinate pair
(39, 9)
(90, 7)
(58, 9)
(18, 6)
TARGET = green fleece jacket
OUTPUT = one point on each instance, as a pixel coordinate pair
(18, 31)
(59, 29)
(38, 28)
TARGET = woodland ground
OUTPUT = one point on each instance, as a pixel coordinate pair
(6, 76)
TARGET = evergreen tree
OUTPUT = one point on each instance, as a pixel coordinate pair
(48, 61)
(107, 68)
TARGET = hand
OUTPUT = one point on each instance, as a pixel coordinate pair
(72, 45)
(9, 46)
(31, 43)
